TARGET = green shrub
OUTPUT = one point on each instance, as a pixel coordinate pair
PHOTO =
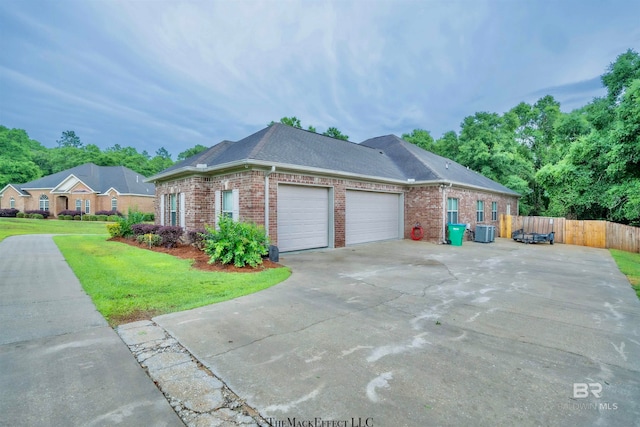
(27, 215)
(89, 217)
(149, 217)
(238, 242)
(133, 217)
(114, 229)
(20, 215)
(113, 218)
(68, 217)
(149, 239)
(77, 218)
(102, 217)
(37, 216)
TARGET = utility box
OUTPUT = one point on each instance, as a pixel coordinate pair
(485, 233)
(274, 254)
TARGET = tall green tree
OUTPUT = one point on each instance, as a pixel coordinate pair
(191, 152)
(69, 139)
(335, 133)
(422, 138)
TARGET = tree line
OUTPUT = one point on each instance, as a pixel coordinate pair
(583, 164)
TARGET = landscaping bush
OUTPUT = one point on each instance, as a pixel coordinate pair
(114, 229)
(36, 216)
(101, 217)
(150, 239)
(142, 228)
(113, 218)
(149, 217)
(196, 238)
(170, 235)
(109, 213)
(133, 217)
(20, 215)
(238, 242)
(9, 213)
(27, 215)
(71, 212)
(77, 218)
(45, 214)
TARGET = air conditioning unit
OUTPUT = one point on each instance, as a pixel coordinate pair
(485, 233)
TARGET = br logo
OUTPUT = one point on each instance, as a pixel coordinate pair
(582, 390)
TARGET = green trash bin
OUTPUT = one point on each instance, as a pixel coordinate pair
(456, 233)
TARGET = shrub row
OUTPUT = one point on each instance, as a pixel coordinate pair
(109, 213)
(29, 215)
(45, 214)
(8, 213)
(168, 236)
(88, 217)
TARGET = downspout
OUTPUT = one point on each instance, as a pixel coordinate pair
(444, 214)
(266, 198)
(443, 187)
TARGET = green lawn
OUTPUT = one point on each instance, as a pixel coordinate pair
(15, 226)
(629, 264)
(127, 283)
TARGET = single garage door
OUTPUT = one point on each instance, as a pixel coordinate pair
(372, 216)
(303, 217)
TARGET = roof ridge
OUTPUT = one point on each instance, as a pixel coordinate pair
(263, 140)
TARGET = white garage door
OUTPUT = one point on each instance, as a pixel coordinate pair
(303, 217)
(372, 216)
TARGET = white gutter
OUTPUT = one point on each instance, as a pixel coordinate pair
(266, 198)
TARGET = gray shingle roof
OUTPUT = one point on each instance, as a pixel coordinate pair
(98, 178)
(423, 165)
(385, 157)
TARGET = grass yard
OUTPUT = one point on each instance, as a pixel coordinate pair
(128, 283)
(629, 264)
(15, 226)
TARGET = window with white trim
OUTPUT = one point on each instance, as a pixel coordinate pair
(173, 209)
(452, 210)
(494, 211)
(44, 202)
(227, 204)
(480, 211)
(12, 203)
(114, 204)
(78, 205)
(87, 206)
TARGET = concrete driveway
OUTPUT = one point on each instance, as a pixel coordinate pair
(410, 333)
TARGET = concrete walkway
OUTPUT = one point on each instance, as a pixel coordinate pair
(60, 363)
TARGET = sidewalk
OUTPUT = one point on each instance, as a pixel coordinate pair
(60, 363)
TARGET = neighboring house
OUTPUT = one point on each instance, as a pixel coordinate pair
(312, 191)
(86, 188)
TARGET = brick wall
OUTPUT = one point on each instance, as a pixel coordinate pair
(423, 205)
(427, 205)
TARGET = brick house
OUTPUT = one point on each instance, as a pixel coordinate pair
(313, 191)
(87, 188)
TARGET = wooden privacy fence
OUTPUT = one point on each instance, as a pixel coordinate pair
(595, 234)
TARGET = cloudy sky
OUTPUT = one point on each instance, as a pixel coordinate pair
(174, 74)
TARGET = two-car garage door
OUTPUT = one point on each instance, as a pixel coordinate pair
(304, 217)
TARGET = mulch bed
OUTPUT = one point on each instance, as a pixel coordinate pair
(200, 259)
